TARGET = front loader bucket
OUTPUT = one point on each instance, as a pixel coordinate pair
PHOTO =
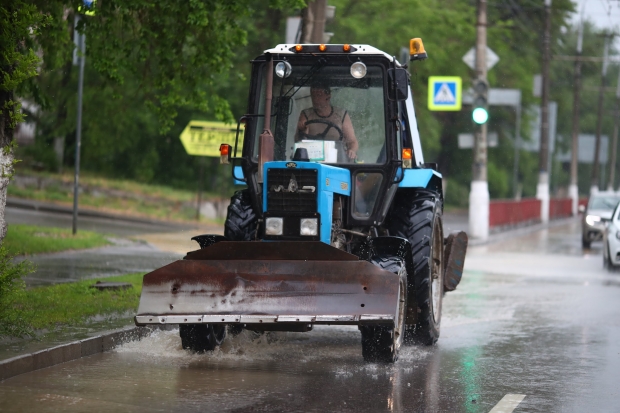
(269, 282)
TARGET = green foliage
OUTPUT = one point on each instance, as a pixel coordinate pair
(76, 303)
(175, 49)
(456, 194)
(13, 322)
(20, 23)
(148, 73)
(562, 92)
(499, 181)
(32, 239)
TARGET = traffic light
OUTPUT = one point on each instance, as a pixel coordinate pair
(480, 113)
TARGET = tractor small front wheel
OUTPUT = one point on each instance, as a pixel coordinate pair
(202, 337)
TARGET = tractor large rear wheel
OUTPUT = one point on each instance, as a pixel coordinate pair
(382, 343)
(417, 217)
(241, 220)
(202, 337)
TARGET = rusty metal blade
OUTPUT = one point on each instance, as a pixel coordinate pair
(271, 250)
(346, 290)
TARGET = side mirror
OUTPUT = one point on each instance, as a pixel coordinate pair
(398, 85)
(581, 209)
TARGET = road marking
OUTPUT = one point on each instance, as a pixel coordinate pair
(508, 403)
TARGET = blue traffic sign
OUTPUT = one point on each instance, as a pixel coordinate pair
(444, 93)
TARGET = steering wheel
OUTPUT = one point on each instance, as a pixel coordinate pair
(321, 136)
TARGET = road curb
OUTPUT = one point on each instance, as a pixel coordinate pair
(63, 353)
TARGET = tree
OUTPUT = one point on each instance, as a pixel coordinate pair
(176, 49)
(448, 30)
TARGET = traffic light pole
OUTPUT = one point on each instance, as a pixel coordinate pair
(479, 194)
(542, 189)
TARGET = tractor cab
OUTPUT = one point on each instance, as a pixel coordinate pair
(345, 107)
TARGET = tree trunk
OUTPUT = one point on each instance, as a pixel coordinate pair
(6, 154)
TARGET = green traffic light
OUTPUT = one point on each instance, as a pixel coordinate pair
(480, 115)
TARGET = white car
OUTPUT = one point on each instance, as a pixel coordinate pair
(611, 241)
(595, 214)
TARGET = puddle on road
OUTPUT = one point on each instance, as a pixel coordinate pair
(15, 347)
(164, 346)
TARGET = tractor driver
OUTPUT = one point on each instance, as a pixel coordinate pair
(323, 121)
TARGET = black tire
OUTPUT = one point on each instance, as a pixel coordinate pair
(202, 337)
(382, 343)
(585, 244)
(417, 217)
(241, 220)
(607, 260)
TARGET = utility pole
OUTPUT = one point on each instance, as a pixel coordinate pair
(599, 123)
(614, 145)
(319, 21)
(542, 189)
(78, 129)
(479, 194)
(573, 190)
(313, 22)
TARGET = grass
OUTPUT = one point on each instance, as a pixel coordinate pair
(111, 195)
(76, 303)
(31, 239)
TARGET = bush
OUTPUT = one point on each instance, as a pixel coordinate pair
(12, 322)
(456, 195)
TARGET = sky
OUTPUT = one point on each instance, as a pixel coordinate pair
(604, 13)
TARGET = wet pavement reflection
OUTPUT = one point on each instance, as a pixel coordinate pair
(100, 262)
(534, 315)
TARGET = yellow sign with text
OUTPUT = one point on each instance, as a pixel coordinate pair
(203, 138)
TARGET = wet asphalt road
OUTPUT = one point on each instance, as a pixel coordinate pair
(533, 315)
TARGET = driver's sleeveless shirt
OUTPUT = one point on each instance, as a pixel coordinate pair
(320, 127)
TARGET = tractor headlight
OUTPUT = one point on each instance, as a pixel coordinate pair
(358, 70)
(592, 220)
(273, 226)
(309, 226)
(284, 69)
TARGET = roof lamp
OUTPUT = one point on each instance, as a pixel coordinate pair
(416, 49)
(298, 48)
(358, 70)
(346, 48)
(322, 47)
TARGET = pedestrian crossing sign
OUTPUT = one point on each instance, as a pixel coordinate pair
(444, 93)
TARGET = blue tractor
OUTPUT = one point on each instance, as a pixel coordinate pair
(341, 221)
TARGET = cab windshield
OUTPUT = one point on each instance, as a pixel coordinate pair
(327, 113)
